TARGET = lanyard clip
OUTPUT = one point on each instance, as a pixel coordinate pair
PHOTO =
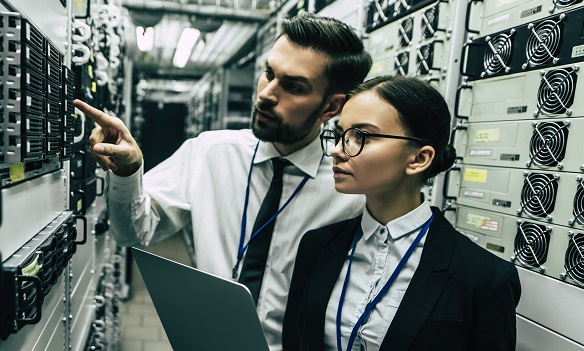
(235, 271)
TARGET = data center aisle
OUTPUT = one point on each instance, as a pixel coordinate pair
(141, 327)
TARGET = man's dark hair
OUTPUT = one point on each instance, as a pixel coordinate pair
(348, 63)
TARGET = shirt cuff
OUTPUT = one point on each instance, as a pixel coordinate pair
(125, 189)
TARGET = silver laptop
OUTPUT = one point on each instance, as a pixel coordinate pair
(200, 311)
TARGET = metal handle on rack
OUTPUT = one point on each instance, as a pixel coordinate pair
(446, 183)
(84, 220)
(467, 20)
(100, 193)
(39, 299)
(457, 100)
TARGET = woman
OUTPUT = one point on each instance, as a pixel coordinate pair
(398, 277)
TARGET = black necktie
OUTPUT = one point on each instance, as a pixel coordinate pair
(252, 272)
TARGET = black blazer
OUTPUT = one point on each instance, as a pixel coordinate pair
(461, 296)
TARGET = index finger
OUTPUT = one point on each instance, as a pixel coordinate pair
(96, 115)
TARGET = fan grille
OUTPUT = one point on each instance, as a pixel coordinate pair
(548, 143)
(538, 196)
(578, 210)
(574, 260)
(402, 62)
(406, 31)
(544, 42)
(531, 244)
(556, 91)
(425, 56)
(379, 9)
(498, 54)
(430, 22)
(401, 6)
(566, 3)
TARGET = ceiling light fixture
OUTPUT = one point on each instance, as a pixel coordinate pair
(185, 45)
(145, 38)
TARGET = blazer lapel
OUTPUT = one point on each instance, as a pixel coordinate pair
(425, 288)
(324, 277)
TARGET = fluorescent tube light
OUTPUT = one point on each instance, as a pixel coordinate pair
(145, 38)
(185, 45)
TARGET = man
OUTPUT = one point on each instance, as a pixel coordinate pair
(217, 182)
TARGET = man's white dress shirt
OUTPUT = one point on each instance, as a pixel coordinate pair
(203, 184)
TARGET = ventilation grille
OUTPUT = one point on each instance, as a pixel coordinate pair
(401, 6)
(565, 3)
(543, 44)
(498, 53)
(425, 56)
(578, 210)
(532, 244)
(430, 22)
(538, 196)
(406, 30)
(574, 260)
(548, 144)
(402, 63)
(556, 91)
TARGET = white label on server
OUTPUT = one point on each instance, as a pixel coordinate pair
(27, 32)
(28, 78)
(480, 153)
(504, 2)
(48, 69)
(27, 124)
(498, 19)
(475, 194)
(27, 52)
(28, 101)
(578, 51)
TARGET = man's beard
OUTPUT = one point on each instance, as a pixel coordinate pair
(281, 132)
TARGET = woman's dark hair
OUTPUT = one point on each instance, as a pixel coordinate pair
(422, 112)
(349, 62)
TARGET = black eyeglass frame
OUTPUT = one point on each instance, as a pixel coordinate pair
(365, 136)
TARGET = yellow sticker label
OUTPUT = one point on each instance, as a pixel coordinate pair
(93, 87)
(475, 175)
(16, 172)
(482, 222)
(487, 135)
(90, 71)
(79, 205)
(32, 268)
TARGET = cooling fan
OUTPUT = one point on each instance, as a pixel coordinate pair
(574, 260)
(424, 62)
(531, 245)
(578, 210)
(548, 144)
(498, 54)
(402, 61)
(564, 3)
(430, 22)
(556, 91)
(538, 196)
(406, 30)
(401, 6)
(544, 42)
(379, 8)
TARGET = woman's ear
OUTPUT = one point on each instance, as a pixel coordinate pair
(333, 107)
(421, 160)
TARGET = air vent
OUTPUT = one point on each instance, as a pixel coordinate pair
(498, 53)
(402, 63)
(401, 6)
(556, 91)
(578, 210)
(532, 244)
(548, 143)
(538, 196)
(565, 3)
(425, 56)
(544, 42)
(377, 11)
(430, 22)
(574, 260)
(406, 32)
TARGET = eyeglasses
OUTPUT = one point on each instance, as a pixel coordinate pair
(353, 140)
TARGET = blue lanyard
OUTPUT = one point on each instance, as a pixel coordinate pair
(242, 247)
(383, 290)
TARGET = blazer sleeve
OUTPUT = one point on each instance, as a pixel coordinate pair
(495, 314)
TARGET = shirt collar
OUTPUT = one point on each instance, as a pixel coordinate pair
(398, 227)
(307, 159)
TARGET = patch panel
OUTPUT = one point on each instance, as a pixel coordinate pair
(546, 144)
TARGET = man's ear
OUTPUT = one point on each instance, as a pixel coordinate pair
(333, 107)
(421, 160)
